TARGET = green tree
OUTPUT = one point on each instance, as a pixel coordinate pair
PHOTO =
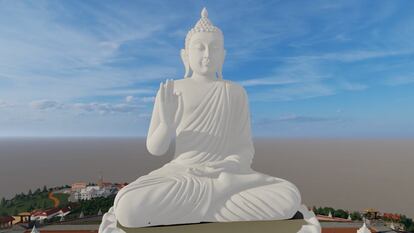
(8, 204)
(30, 193)
(340, 213)
(319, 211)
(37, 191)
(356, 216)
(44, 205)
(407, 222)
(3, 202)
(327, 210)
(44, 188)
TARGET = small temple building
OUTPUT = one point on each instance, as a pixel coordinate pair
(6, 222)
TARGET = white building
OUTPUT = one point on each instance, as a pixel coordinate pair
(45, 214)
(92, 192)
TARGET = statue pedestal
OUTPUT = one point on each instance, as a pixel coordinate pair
(285, 226)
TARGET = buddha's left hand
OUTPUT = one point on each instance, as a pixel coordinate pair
(213, 169)
(205, 171)
(226, 165)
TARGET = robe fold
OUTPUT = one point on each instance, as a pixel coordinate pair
(217, 129)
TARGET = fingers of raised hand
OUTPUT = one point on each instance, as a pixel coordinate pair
(161, 92)
(168, 90)
(170, 87)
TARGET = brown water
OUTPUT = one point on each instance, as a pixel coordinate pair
(349, 174)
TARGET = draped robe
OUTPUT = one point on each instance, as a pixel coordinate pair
(217, 129)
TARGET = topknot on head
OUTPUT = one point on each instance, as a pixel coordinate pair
(203, 25)
(204, 13)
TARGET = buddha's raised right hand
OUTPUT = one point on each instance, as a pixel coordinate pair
(168, 102)
(159, 139)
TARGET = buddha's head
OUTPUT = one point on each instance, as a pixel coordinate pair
(204, 49)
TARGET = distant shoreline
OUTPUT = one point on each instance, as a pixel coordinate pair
(345, 173)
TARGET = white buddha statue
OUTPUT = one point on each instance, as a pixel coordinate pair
(210, 178)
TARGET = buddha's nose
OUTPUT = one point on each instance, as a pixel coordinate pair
(206, 52)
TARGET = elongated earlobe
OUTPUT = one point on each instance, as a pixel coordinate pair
(220, 68)
(184, 58)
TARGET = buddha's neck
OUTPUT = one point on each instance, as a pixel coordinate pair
(203, 77)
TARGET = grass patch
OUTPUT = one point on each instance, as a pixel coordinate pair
(26, 203)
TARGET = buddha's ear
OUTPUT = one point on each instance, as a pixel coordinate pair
(220, 68)
(184, 58)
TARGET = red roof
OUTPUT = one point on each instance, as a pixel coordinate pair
(36, 212)
(6, 219)
(106, 184)
(392, 216)
(46, 212)
(120, 186)
(65, 209)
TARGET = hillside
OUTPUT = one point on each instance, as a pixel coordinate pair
(31, 201)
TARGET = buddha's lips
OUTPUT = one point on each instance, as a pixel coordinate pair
(205, 62)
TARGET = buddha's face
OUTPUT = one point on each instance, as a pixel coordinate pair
(206, 53)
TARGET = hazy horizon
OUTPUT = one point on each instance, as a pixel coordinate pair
(351, 174)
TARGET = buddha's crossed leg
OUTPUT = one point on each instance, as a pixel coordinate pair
(182, 198)
(253, 196)
(163, 200)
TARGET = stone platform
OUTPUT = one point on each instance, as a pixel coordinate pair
(274, 226)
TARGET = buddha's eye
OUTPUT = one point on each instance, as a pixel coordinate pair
(215, 45)
(198, 46)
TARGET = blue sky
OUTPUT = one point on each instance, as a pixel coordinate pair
(319, 69)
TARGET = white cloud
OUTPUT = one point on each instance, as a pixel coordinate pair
(129, 99)
(352, 55)
(103, 108)
(146, 99)
(93, 107)
(290, 72)
(268, 81)
(66, 60)
(291, 81)
(4, 104)
(45, 104)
